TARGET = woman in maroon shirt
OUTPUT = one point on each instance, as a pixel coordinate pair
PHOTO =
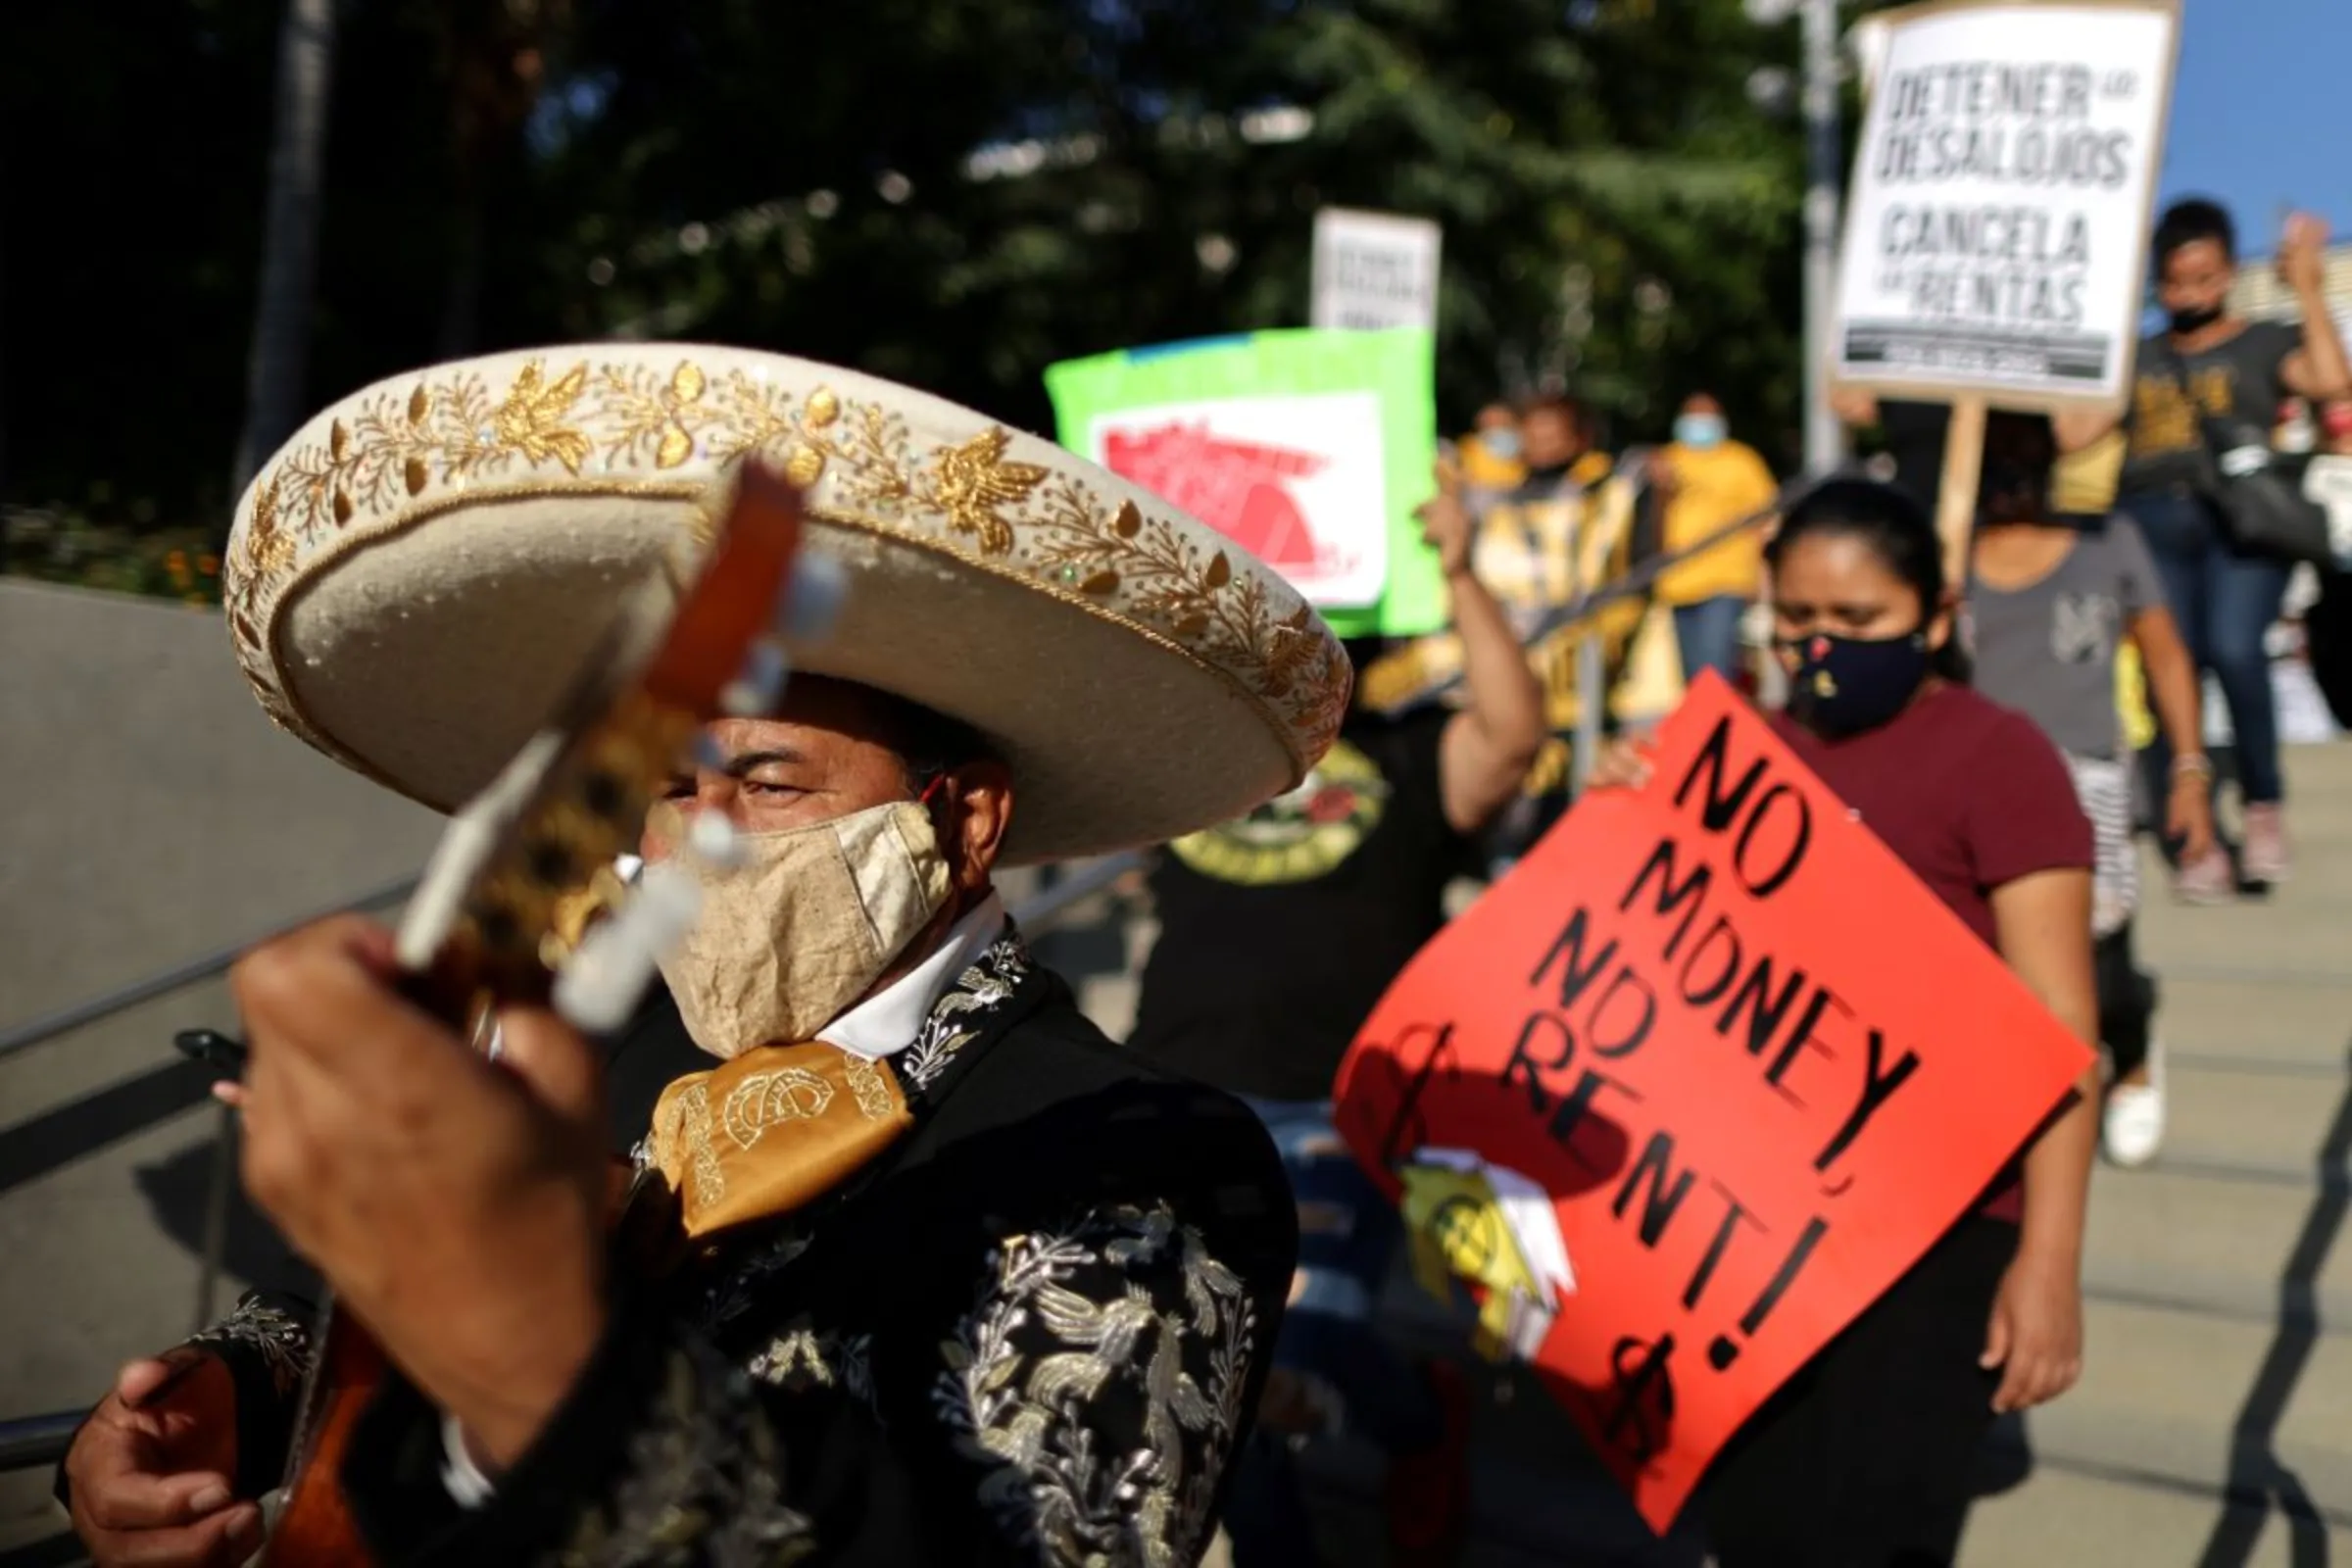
(1867, 1458)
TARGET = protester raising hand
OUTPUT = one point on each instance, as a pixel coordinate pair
(2303, 253)
(1445, 525)
(1624, 764)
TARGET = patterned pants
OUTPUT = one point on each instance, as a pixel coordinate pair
(2104, 787)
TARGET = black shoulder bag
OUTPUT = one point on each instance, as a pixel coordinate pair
(2257, 489)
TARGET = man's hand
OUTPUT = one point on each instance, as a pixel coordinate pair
(456, 1204)
(149, 1473)
(2303, 254)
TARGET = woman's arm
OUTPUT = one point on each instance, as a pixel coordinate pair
(2079, 429)
(1488, 746)
(2173, 690)
(2044, 926)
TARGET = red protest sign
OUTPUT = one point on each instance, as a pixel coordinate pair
(1691, 1088)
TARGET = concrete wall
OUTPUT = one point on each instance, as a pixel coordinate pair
(149, 813)
(148, 810)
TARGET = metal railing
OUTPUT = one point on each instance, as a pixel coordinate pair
(217, 961)
(40, 1442)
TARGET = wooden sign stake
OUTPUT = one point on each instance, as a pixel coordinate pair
(1956, 496)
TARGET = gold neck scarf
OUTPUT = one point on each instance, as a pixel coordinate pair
(772, 1130)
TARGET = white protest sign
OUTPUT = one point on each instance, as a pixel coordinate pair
(1867, 40)
(1997, 225)
(1294, 478)
(1374, 270)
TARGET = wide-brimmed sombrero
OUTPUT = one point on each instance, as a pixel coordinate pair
(414, 577)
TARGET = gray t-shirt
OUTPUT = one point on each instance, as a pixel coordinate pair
(2048, 649)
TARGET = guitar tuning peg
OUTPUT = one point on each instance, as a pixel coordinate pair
(603, 981)
(756, 686)
(813, 600)
(628, 867)
(714, 841)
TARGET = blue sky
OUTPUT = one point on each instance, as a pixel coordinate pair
(2262, 112)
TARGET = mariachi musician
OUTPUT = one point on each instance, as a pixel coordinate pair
(955, 1281)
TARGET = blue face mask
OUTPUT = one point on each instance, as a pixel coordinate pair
(1846, 685)
(1501, 445)
(1700, 431)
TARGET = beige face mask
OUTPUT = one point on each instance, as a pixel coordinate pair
(803, 925)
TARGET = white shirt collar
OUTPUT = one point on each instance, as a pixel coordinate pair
(887, 1022)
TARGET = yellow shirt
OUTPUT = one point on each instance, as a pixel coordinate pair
(2084, 481)
(2131, 698)
(1715, 486)
(1533, 558)
(1481, 470)
(1538, 553)
(1591, 468)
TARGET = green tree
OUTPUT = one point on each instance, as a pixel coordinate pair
(281, 328)
(1161, 198)
(805, 178)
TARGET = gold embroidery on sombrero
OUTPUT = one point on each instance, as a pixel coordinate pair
(1166, 580)
(394, 448)
(531, 420)
(971, 482)
(376, 463)
(268, 548)
(657, 419)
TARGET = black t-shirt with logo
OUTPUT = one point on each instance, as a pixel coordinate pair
(2243, 376)
(1279, 931)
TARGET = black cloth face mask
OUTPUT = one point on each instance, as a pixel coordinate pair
(2185, 322)
(1846, 685)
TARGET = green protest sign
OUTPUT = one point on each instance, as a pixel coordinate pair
(1309, 449)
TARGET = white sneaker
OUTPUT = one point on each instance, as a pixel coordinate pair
(2131, 1129)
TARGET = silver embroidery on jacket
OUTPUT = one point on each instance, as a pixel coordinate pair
(282, 1339)
(803, 1357)
(983, 987)
(700, 1485)
(1036, 1354)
